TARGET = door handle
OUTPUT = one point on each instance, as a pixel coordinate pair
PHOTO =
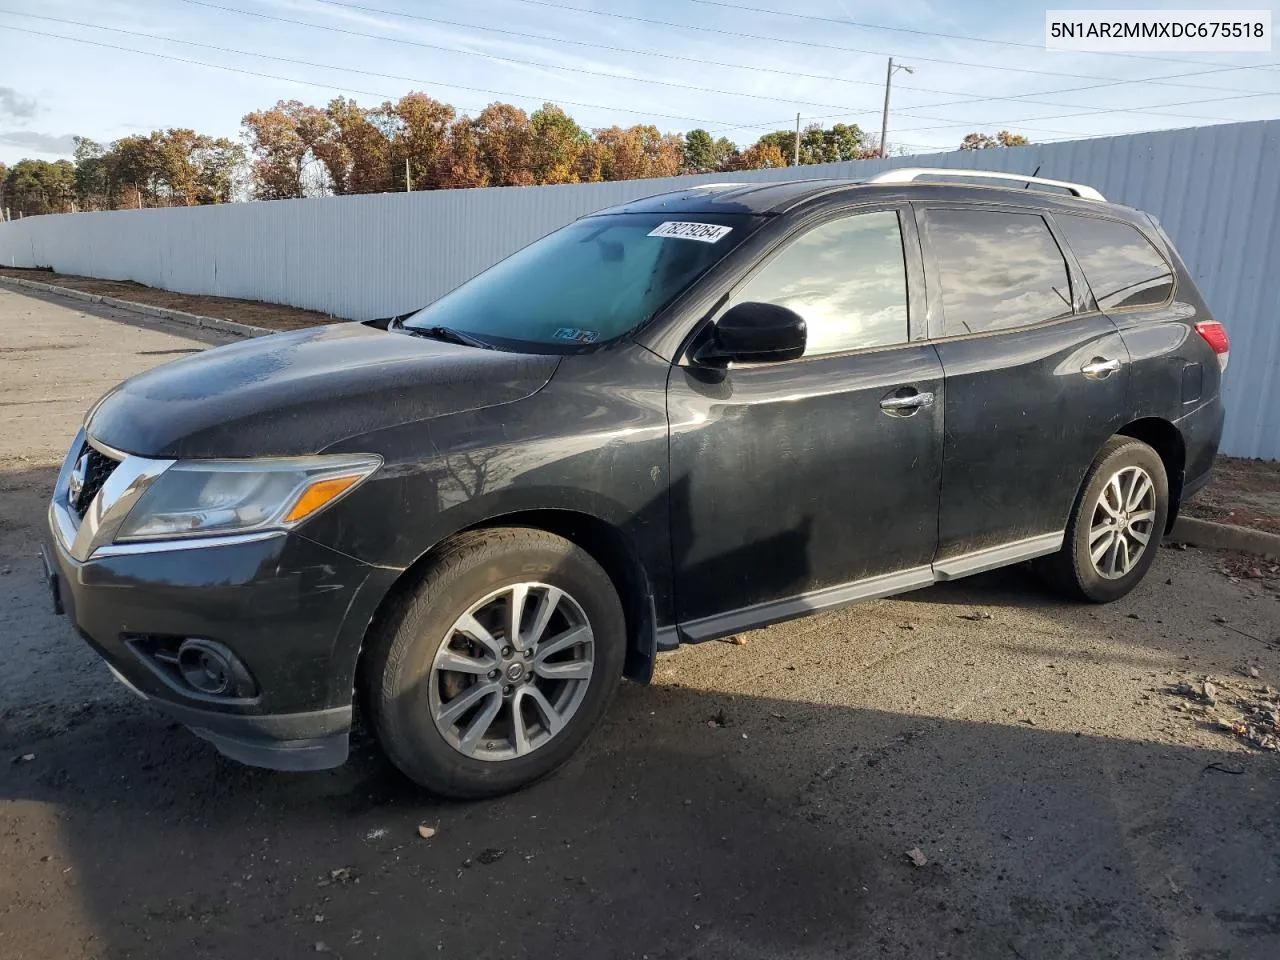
(896, 404)
(1100, 369)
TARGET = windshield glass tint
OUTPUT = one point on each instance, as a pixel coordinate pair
(592, 281)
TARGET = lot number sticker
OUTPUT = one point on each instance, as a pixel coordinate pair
(704, 232)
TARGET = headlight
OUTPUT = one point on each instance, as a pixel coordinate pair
(219, 497)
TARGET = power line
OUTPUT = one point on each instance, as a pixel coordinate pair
(910, 112)
(951, 122)
(1065, 116)
(1025, 97)
(944, 36)
(828, 46)
(198, 63)
(327, 86)
(470, 53)
(523, 35)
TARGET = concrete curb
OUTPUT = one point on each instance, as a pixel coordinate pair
(163, 313)
(1226, 536)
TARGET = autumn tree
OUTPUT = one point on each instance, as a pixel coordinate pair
(982, 141)
(460, 163)
(637, 153)
(760, 156)
(354, 151)
(420, 136)
(558, 145)
(702, 154)
(192, 168)
(283, 142)
(219, 163)
(93, 182)
(506, 145)
(135, 162)
(38, 186)
(841, 143)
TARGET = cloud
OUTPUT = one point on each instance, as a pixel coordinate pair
(39, 142)
(16, 105)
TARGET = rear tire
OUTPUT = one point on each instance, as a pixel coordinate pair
(1115, 527)
(468, 707)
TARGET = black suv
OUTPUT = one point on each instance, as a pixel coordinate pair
(674, 420)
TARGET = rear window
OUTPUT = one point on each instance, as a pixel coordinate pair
(997, 270)
(1121, 265)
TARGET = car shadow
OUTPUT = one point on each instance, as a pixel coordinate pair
(692, 824)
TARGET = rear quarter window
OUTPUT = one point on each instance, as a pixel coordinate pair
(1122, 267)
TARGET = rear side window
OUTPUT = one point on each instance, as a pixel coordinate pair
(847, 278)
(997, 270)
(1121, 265)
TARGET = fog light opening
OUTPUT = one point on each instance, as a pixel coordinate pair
(207, 668)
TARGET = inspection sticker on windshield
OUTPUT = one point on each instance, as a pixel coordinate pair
(577, 335)
(704, 232)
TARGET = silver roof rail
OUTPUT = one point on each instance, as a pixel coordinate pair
(911, 174)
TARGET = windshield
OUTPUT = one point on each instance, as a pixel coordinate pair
(587, 283)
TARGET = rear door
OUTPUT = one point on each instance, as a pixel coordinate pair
(1133, 284)
(1035, 380)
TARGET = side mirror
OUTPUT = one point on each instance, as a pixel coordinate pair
(755, 333)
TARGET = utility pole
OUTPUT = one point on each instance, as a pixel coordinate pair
(884, 120)
(795, 147)
(408, 182)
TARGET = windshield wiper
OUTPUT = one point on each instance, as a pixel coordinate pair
(448, 334)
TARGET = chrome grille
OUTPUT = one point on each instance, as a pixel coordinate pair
(90, 472)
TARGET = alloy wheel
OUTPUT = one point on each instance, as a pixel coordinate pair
(511, 672)
(1123, 522)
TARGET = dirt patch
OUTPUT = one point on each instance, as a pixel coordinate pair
(1250, 566)
(1243, 492)
(270, 315)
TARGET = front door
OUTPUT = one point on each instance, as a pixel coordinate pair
(793, 481)
(1036, 380)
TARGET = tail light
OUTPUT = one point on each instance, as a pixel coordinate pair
(1215, 335)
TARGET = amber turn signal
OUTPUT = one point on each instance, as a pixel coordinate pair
(320, 493)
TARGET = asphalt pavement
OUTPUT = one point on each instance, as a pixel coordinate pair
(974, 770)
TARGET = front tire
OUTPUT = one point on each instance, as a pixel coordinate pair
(495, 669)
(1115, 526)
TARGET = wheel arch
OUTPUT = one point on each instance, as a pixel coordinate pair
(607, 545)
(1167, 441)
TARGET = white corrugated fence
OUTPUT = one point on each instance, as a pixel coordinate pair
(1215, 189)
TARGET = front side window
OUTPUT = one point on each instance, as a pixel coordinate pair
(997, 270)
(592, 281)
(847, 278)
(1121, 265)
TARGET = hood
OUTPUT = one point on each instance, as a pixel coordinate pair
(296, 393)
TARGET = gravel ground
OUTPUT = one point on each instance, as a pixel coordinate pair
(1243, 492)
(1062, 796)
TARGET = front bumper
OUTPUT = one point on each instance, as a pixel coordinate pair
(292, 611)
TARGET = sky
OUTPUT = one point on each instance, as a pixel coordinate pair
(977, 66)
